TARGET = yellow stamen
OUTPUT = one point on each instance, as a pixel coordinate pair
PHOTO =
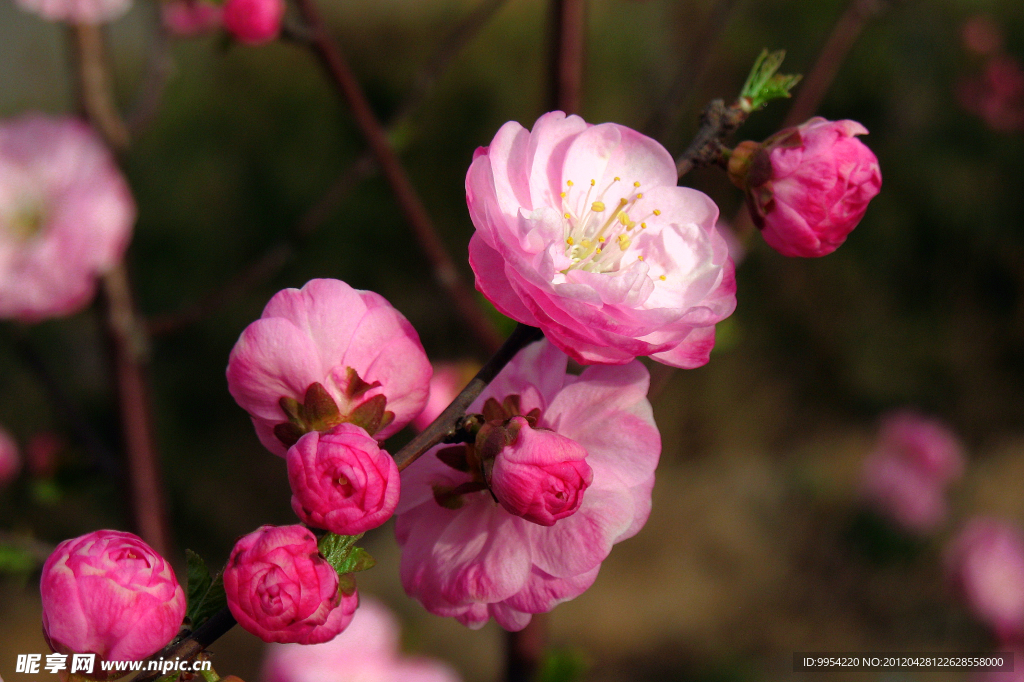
(636, 184)
(617, 178)
(662, 278)
(562, 195)
(643, 226)
(657, 212)
(566, 216)
(624, 243)
(569, 182)
(601, 239)
(592, 183)
(597, 251)
(569, 241)
(638, 257)
(639, 196)
(597, 206)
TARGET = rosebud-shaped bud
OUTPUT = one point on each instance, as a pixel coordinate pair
(986, 564)
(191, 17)
(280, 589)
(108, 593)
(342, 481)
(10, 460)
(807, 187)
(254, 21)
(540, 475)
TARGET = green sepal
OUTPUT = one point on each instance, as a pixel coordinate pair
(347, 584)
(205, 592)
(356, 386)
(370, 414)
(764, 84)
(341, 553)
(320, 411)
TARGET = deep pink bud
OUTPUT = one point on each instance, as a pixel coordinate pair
(254, 21)
(541, 476)
(10, 460)
(342, 481)
(108, 593)
(280, 589)
(817, 188)
(986, 564)
(191, 17)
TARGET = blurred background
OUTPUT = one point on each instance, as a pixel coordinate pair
(758, 545)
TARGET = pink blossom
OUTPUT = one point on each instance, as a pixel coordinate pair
(191, 17)
(108, 593)
(541, 475)
(926, 443)
(582, 231)
(280, 589)
(463, 555)
(449, 378)
(10, 459)
(77, 11)
(906, 476)
(997, 96)
(367, 651)
(254, 21)
(352, 343)
(66, 216)
(986, 565)
(812, 189)
(342, 481)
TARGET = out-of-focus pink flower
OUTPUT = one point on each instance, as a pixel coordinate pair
(926, 443)
(464, 555)
(77, 11)
(449, 378)
(358, 349)
(191, 17)
(368, 651)
(997, 96)
(280, 589)
(986, 565)
(66, 216)
(901, 491)
(108, 593)
(906, 476)
(981, 35)
(807, 187)
(342, 481)
(541, 475)
(254, 21)
(582, 231)
(10, 459)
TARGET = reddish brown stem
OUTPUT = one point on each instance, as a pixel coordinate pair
(444, 270)
(568, 36)
(128, 339)
(130, 351)
(526, 650)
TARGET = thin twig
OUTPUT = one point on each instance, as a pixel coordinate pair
(95, 87)
(193, 644)
(568, 36)
(446, 423)
(281, 253)
(716, 124)
(128, 340)
(694, 65)
(444, 270)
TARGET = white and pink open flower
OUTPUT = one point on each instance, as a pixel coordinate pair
(465, 555)
(324, 355)
(582, 231)
(66, 216)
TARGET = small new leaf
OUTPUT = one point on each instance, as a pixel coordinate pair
(205, 592)
(764, 84)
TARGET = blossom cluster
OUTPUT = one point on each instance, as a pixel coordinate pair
(581, 231)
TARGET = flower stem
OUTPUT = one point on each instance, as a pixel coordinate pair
(568, 35)
(447, 422)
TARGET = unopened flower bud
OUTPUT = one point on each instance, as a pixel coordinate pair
(108, 593)
(540, 475)
(807, 187)
(342, 481)
(254, 21)
(280, 589)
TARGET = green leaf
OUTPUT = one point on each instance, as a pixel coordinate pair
(764, 84)
(336, 548)
(205, 592)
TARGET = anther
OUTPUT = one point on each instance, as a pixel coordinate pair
(569, 182)
(597, 206)
(657, 212)
(562, 195)
(569, 241)
(636, 184)
(662, 278)
(592, 183)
